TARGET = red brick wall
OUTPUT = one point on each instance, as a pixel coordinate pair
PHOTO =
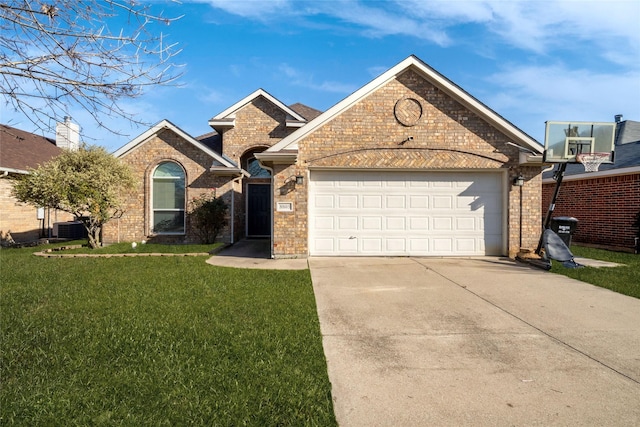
(605, 207)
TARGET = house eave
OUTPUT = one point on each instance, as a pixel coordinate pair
(295, 124)
(226, 171)
(6, 171)
(530, 159)
(277, 157)
(222, 124)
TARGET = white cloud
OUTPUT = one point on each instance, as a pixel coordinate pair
(258, 9)
(533, 95)
(305, 79)
(535, 26)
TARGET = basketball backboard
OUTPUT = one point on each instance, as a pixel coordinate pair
(564, 140)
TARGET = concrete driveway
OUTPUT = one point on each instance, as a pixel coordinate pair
(485, 341)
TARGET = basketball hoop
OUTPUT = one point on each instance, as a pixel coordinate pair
(592, 161)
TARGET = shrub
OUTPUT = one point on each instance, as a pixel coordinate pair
(207, 214)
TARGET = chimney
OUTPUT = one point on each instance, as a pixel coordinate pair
(68, 135)
(618, 118)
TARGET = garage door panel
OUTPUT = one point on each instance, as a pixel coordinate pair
(324, 201)
(323, 223)
(418, 223)
(372, 223)
(371, 246)
(442, 184)
(442, 223)
(323, 245)
(406, 213)
(443, 246)
(418, 201)
(395, 202)
(396, 223)
(419, 245)
(371, 201)
(442, 202)
(466, 224)
(466, 246)
(347, 245)
(347, 201)
(348, 223)
(396, 245)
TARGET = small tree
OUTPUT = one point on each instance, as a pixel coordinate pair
(208, 216)
(87, 183)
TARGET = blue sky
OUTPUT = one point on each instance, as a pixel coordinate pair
(529, 61)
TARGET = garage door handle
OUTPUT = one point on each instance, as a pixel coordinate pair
(352, 237)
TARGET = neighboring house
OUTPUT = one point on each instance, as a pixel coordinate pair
(606, 203)
(19, 152)
(410, 164)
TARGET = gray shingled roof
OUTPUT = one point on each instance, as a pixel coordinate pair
(305, 111)
(212, 140)
(21, 150)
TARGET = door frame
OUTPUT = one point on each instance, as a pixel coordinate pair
(246, 210)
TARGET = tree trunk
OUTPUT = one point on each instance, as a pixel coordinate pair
(93, 233)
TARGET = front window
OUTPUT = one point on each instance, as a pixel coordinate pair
(256, 171)
(168, 199)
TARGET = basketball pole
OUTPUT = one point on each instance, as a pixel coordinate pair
(547, 220)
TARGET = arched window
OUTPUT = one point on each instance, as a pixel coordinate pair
(252, 165)
(256, 171)
(168, 199)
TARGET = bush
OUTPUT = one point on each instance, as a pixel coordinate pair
(208, 216)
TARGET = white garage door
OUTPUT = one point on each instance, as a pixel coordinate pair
(405, 213)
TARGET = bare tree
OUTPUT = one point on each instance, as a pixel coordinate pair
(92, 54)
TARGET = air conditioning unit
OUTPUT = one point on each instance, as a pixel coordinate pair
(69, 230)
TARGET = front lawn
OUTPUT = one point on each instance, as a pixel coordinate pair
(157, 341)
(624, 279)
(127, 248)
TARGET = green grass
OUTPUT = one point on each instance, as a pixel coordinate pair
(126, 248)
(624, 279)
(157, 341)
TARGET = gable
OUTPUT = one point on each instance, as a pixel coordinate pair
(406, 123)
(436, 81)
(226, 119)
(217, 162)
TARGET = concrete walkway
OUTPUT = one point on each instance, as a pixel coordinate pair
(254, 253)
(475, 342)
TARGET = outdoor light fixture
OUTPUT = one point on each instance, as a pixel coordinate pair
(299, 180)
(518, 181)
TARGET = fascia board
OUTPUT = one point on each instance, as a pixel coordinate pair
(222, 123)
(435, 78)
(247, 99)
(224, 171)
(166, 124)
(11, 170)
(277, 157)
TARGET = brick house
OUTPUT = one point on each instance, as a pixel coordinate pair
(606, 203)
(409, 164)
(19, 152)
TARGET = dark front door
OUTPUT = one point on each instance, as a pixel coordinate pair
(258, 209)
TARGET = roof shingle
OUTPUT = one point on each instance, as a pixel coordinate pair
(21, 150)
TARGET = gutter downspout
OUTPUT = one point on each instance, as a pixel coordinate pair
(233, 207)
(271, 254)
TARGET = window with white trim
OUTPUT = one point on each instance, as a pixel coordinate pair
(168, 199)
